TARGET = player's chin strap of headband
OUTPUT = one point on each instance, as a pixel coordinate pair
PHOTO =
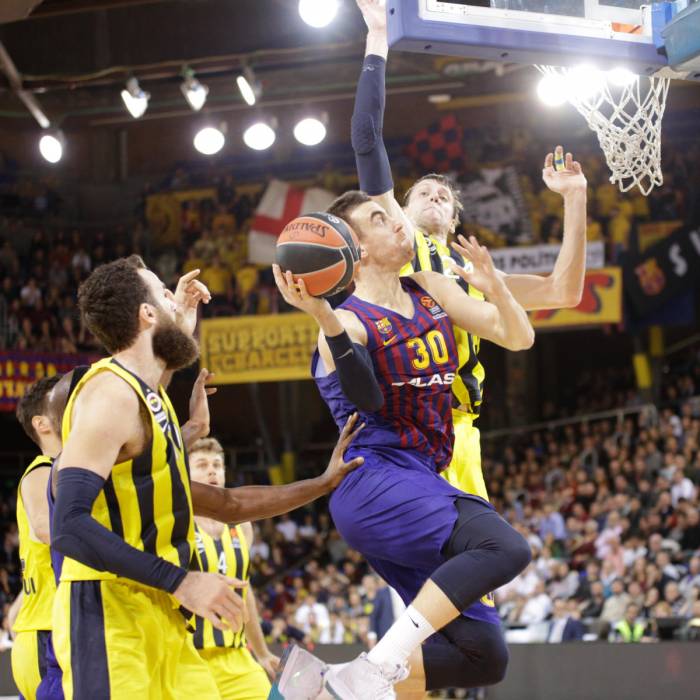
(371, 158)
(355, 373)
(76, 534)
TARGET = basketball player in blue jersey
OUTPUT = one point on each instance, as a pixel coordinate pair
(389, 351)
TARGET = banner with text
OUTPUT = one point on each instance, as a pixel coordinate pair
(664, 270)
(258, 348)
(18, 370)
(538, 259)
(601, 303)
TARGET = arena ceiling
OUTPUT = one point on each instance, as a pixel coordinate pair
(74, 56)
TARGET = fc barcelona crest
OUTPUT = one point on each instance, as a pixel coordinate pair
(383, 326)
(651, 277)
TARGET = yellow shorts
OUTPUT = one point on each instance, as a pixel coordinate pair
(237, 674)
(464, 471)
(29, 661)
(118, 640)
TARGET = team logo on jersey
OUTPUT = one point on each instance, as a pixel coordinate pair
(432, 306)
(155, 403)
(384, 326)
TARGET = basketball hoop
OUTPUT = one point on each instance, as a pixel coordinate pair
(625, 114)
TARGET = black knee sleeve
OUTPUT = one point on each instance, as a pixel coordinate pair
(465, 654)
(483, 553)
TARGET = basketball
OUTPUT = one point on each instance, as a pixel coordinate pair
(322, 250)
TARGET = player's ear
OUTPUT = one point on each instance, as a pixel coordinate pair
(147, 314)
(363, 254)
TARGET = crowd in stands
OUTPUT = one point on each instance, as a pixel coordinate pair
(41, 265)
(610, 508)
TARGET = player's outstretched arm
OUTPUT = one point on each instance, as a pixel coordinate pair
(562, 288)
(93, 447)
(371, 157)
(258, 502)
(500, 319)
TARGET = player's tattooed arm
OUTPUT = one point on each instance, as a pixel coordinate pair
(237, 505)
(500, 319)
(563, 287)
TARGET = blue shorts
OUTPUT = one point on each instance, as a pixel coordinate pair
(51, 687)
(399, 513)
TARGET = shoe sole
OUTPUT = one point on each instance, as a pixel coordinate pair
(295, 664)
(340, 692)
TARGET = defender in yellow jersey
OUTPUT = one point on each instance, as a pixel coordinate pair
(33, 622)
(123, 511)
(432, 210)
(224, 549)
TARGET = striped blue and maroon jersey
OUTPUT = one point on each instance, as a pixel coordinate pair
(415, 361)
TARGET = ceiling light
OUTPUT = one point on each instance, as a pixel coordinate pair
(621, 77)
(51, 147)
(439, 99)
(209, 140)
(585, 82)
(195, 93)
(135, 99)
(552, 89)
(250, 88)
(318, 13)
(260, 136)
(310, 131)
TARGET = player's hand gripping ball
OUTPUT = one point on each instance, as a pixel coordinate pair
(322, 250)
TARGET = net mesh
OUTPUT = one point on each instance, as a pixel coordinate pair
(627, 120)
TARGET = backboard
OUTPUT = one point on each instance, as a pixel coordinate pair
(606, 33)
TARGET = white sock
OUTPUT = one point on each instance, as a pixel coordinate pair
(405, 635)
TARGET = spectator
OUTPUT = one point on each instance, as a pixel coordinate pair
(616, 603)
(563, 627)
(629, 629)
(288, 528)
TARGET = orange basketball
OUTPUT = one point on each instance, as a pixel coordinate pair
(322, 250)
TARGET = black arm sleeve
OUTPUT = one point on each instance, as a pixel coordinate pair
(78, 535)
(356, 373)
(371, 158)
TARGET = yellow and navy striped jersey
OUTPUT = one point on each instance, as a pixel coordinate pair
(430, 255)
(38, 583)
(146, 500)
(226, 555)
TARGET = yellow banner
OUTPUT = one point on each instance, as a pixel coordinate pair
(164, 212)
(601, 303)
(258, 348)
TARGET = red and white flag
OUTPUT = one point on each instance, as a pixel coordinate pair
(279, 205)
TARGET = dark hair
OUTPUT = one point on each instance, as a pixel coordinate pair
(35, 403)
(345, 205)
(109, 302)
(443, 180)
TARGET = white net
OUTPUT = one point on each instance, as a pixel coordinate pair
(625, 111)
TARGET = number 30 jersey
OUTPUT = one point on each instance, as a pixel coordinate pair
(415, 361)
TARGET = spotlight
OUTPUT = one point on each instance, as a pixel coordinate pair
(51, 146)
(194, 92)
(552, 90)
(318, 13)
(310, 131)
(260, 136)
(586, 82)
(135, 99)
(620, 77)
(209, 140)
(250, 88)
